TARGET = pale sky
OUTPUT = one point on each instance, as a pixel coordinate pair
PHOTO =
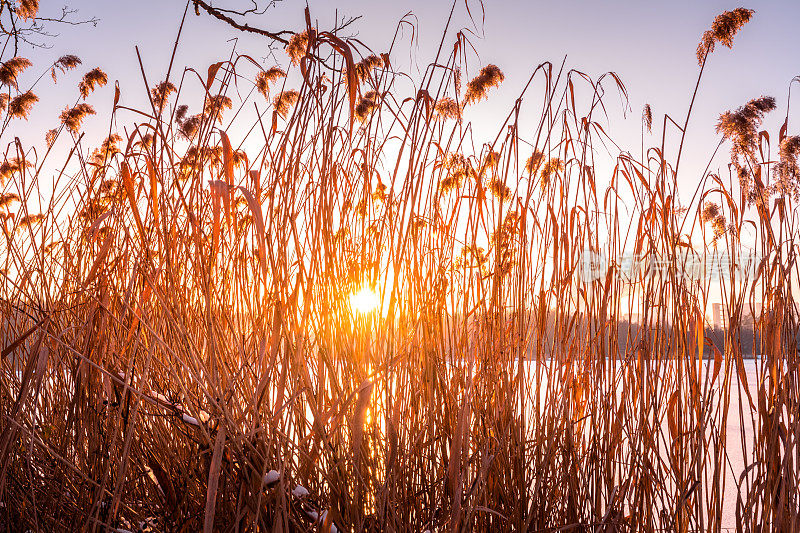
(651, 45)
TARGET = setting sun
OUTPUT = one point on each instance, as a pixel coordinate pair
(365, 300)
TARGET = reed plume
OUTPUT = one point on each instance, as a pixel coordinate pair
(366, 105)
(500, 189)
(27, 9)
(216, 105)
(741, 128)
(478, 88)
(457, 168)
(11, 69)
(68, 62)
(30, 220)
(553, 166)
(64, 63)
(20, 106)
(50, 137)
(106, 150)
(379, 194)
(787, 171)
(365, 67)
(284, 101)
(266, 77)
(72, 118)
(7, 199)
(710, 211)
(534, 162)
(239, 159)
(298, 44)
(448, 108)
(504, 240)
(180, 113)
(490, 162)
(93, 78)
(723, 29)
(189, 127)
(10, 166)
(160, 93)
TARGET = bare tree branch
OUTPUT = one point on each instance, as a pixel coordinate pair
(35, 32)
(251, 11)
(280, 36)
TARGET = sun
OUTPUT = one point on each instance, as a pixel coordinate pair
(365, 300)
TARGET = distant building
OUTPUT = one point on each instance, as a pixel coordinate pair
(719, 319)
(754, 310)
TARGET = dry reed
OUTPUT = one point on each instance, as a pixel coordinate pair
(180, 351)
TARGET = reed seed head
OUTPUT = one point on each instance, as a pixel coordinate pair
(72, 118)
(11, 69)
(239, 159)
(267, 77)
(786, 171)
(64, 63)
(500, 189)
(710, 211)
(161, 92)
(93, 78)
(723, 29)
(379, 195)
(448, 108)
(298, 45)
(365, 67)
(504, 240)
(216, 105)
(491, 161)
(10, 166)
(741, 126)
(7, 199)
(188, 128)
(27, 9)
(712, 214)
(366, 105)
(284, 101)
(553, 166)
(647, 117)
(30, 220)
(20, 106)
(180, 113)
(68, 62)
(478, 88)
(534, 162)
(106, 150)
(458, 168)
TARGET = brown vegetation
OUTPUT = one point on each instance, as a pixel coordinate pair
(178, 346)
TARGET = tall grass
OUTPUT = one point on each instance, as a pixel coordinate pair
(179, 345)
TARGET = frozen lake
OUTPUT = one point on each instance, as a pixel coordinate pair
(735, 463)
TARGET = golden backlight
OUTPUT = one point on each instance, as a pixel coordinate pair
(365, 300)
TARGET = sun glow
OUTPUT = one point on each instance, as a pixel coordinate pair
(365, 300)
